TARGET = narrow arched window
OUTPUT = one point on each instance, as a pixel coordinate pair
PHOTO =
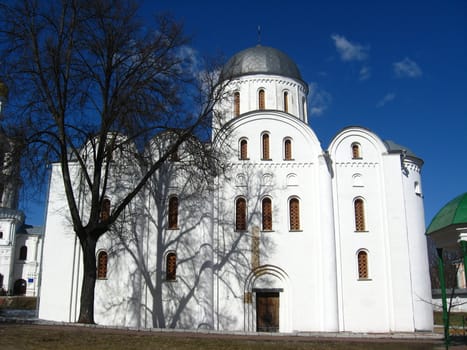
(105, 210)
(23, 253)
(19, 287)
(240, 214)
(1, 283)
(294, 214)
(288, 149)
(265, 141)
(261, 99)
(243, 149)
(356, 151)
(102, 259)
(286, 101)
(175, 156)
(418, 189)
(173, 213)
(1, 234)
(362, 260)
(236, 104)
(304, 107)
(267, 214)
(359, 215)
(171, 267)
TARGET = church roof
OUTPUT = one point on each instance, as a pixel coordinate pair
(453, 213)
(31, 230)
(260, 60)
(394, 147)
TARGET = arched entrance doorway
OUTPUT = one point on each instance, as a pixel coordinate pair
(20, 287)
(267, 306)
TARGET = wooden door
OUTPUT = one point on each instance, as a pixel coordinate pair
(267, 312)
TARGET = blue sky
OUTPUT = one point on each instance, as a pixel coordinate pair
(396, 67)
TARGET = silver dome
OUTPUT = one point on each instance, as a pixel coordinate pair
(260, 60)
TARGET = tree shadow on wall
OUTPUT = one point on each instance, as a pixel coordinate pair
(209, 250)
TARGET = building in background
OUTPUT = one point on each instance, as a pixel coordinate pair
(20, 244)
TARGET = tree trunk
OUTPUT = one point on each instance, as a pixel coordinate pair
(86, 312)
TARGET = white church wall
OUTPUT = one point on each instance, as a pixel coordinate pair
(400, 291)
(282, 248)
(328, 268)
(60, 280)
(147, 299)
(377, 177)
(418, 251)
(117, 296)
(361, 299)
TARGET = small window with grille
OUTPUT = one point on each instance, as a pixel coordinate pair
(288, 149)
(267, 214)
(173, 213)
(356, 154)
(236, 104)
(240, 214)
(265, 140)
(171, 267)
(261, 99)
(362, 260)
(294, 214)
(102, 259)
(359, 215)
(105, 210)
(243, 149)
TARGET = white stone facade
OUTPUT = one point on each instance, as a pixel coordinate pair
(272, 243)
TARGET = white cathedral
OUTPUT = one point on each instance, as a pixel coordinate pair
(289, 238)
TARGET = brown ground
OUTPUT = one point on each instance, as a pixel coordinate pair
(73, 337)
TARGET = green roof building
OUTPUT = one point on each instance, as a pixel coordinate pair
(448, 229)
(449, 226)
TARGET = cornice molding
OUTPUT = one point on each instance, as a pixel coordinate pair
(357, 164)
(291, 83)
(413, 167)
(271, 165)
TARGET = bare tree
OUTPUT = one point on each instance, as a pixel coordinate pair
(91, 72)
(451, 258)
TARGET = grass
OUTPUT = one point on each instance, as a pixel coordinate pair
(42, 337)
(455, 318)
(25, 303)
